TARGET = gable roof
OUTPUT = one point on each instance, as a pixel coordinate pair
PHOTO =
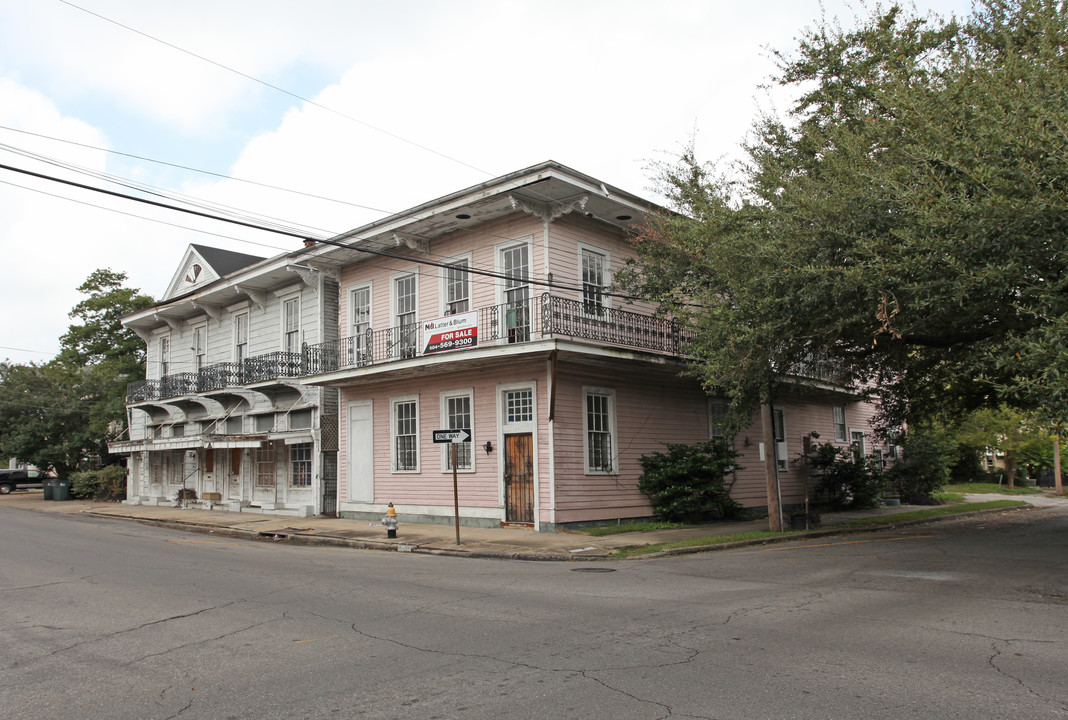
(202, 265)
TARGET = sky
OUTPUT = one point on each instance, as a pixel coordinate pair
(325, 115)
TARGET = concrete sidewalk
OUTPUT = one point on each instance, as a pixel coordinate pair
(507, 543)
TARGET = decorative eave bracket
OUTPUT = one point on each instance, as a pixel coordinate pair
(215, 312)
(310, 276)
(548, 212)
(259, 297)
(412, 242)
(174, 324)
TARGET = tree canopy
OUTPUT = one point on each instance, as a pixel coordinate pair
(54, 415)
(906, 222)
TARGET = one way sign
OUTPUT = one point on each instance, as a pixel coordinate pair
(452, 436)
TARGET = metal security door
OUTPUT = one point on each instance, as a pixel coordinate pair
(519, 478)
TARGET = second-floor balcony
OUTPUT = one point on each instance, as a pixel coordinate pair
(256, 369)
(544, 317)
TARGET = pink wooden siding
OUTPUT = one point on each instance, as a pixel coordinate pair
(432, 483)
(652, 408)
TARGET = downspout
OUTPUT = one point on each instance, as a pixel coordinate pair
(552, 433)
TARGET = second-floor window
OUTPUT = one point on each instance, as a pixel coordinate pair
(359, 346)
(594, 281)
(457, 288)
(291, 325)
(515, 266)
(164, 356)
(240, 337)
(200, 346)
(405, 322)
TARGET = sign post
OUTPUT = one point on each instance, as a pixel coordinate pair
(454, 438)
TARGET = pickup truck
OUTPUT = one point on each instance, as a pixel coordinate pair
(11, 479)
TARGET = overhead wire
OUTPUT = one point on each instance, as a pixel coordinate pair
(306, 237)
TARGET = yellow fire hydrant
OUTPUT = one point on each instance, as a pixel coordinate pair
(390, 522)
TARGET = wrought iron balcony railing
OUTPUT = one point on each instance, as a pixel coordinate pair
(546, 316)
(543, 317)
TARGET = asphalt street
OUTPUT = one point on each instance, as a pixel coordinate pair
(108, 618)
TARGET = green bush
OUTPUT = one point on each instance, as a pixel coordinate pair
(108, 483)
(688, 483)
(844, 477)
(925, 467)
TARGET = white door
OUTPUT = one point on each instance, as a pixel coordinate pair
(361, 476)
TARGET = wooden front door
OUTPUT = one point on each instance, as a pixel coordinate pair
(519, 478)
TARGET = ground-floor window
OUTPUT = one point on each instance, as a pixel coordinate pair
(265, 466)
(600, 430)
(300, 464)
(405, 435)
(456, 411)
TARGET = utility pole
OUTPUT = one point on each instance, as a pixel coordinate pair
(771, 468)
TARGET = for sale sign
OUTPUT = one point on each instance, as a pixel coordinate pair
(455, 332)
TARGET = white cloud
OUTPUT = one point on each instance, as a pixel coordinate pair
(601, 86)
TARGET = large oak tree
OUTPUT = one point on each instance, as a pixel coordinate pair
(906, 222)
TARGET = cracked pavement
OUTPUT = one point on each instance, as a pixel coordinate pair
(960, 620)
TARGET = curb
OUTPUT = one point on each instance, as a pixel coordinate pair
(824, 533)
(330, 540)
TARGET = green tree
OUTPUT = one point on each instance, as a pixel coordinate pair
(55, 414)
(1023, 438)
(44, 415)
(906, 222)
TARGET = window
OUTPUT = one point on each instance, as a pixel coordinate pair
(405, 435)
(518, 406)
(457, 287)
(164, 356)
(878, 459)
(300, 461)
(594, 278)
(178, 430)
(300, 420)
(717, 419)
(600, 421)
(839, 423)
(515, 267)
(360, 344)
(456, 415)
(200, 346)
(405, 325)
(240, 337)
(291, 325)
(233, 425)
(265, 466)
(264, 423)
(856, 441)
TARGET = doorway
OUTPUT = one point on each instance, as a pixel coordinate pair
(519, 478)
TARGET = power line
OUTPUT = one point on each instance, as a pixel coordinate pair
(278, 89)
(198, 170)
(306, 237)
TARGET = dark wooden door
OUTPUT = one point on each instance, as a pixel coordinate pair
(519, 478)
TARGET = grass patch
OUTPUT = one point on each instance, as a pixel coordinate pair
(991, 488)
(628, 527)
(635, 550)
(948, 497)
(875, 521)
(932, 512)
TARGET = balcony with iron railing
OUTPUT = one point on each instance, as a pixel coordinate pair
(539, 318)
(250, 371)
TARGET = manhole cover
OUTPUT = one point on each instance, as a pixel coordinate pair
(593, 569)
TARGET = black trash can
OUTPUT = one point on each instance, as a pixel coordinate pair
(48, 488)
(61, 489)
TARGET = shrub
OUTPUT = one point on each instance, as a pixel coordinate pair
(688, 483)
(925, 467)
(108, 483)
(844, 477)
